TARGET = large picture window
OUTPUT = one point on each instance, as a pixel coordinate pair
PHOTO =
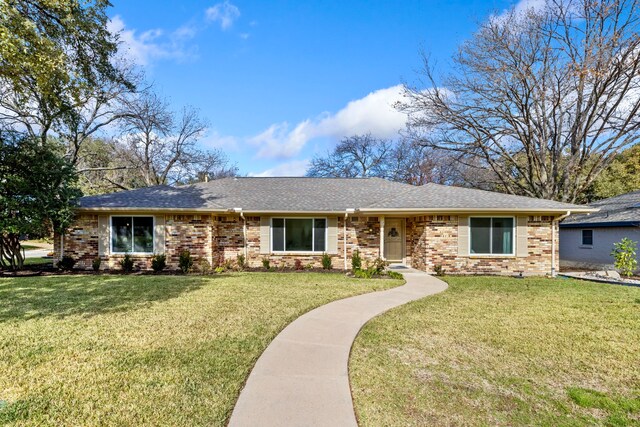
(132, 234)
(298, 234)
(491, 236)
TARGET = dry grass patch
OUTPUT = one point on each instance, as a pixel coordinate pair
(501, 351)
(144, 350)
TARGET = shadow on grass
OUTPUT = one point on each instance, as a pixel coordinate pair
(29, 297)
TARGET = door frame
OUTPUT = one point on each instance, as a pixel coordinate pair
(403, 245)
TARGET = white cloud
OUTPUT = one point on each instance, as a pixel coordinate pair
(293, 168)
(152, 45)
(225, 13)
(213, 139)
(521, 9)
(373, 114)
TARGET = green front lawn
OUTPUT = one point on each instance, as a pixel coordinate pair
(144, 350)
(501, 351)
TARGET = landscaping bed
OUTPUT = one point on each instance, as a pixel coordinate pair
(503, 351)
(145, 350)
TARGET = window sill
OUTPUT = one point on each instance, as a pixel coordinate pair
(131, 253)
(296, 253)
(586, 246)
(492, 256)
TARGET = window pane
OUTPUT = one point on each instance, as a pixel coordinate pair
(320, 226)
(298, 234)
(502, 235)
(121, 234)
(143, 234)
(277, 230)
(587, 237)
(480, 235)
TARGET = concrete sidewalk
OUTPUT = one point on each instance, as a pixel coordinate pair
(301, 379)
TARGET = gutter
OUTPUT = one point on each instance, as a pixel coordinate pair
(554, 222)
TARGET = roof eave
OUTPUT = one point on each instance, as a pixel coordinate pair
(487, 210)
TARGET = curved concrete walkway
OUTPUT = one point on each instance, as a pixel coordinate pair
(302, 377)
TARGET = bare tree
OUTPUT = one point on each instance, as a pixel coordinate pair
(544, 98)
(354, 156)
(160, 147)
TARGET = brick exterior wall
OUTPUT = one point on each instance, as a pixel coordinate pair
(80, 241)
(430, 241)
(433, 241)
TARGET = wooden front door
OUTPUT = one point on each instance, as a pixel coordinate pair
(394, 239)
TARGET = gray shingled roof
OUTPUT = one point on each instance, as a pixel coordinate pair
(314, 195)
(623, 210)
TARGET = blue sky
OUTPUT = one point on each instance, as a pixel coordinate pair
(281, 81)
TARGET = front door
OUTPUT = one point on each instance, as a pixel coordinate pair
(394, 239)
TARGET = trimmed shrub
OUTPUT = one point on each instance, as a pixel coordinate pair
(298, 264)
(126, 263)
(266, 264)
(185, 262)
(66, 263)
(326, 261)
(95, 264)
(158, 262)
(356, 260)
(439, 270)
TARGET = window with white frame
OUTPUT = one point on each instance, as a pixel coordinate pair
(132, 234)
(587, 237)
(298, 234)
(491, 236)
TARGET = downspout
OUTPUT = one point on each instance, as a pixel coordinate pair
(344, 235)
(382, 237)
(244, 235)
(553, 241)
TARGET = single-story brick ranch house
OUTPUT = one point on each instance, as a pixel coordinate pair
(284, 219)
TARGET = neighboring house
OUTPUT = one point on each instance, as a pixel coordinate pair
(586, 241)
(284, 219)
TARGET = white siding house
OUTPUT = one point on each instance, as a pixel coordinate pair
(586, 241)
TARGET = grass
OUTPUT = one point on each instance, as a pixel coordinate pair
(144, 350)
(38, 261)
(502, 351)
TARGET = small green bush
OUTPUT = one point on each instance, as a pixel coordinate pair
(185, 262)
(266, 264)
(395, 275)
(126, 263)
(219, 269)
(326, 261)
(204, 267)
(379, 265)
(66, 263)
(95, 264)
(624, 254)
(363, 274)
(439, 270)
(241, 262)
(356, 261)
(158, 262)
